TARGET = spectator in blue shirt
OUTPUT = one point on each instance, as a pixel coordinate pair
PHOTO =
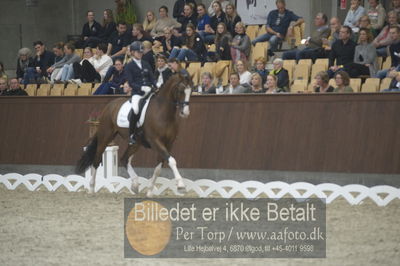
(278, 25)
(203, 21)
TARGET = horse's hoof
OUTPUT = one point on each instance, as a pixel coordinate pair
(135, 188)
(91, 190)
(149, 193)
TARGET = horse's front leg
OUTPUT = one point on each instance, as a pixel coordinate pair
(179, 180)
(153, 179)
(134, 177)
(92, 183)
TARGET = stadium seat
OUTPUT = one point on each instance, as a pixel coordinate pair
(332, 83)
(208, 67)
(379, 61)
(43, 90)
(259, 50)
(316, 68)
(31, 89)
(70, 90)
(298, 87)
(355, 84)
(95, 86)
(252, 31)
(194, 71)
(388, 63)
(84, 91)
(57, 90)
(79, 52)
(322, 61)
(262, 30)
(289, 66)
(385, 83)
(301, 72)
(310, 87)
(307, 62)
(370, 85)
(222, 70)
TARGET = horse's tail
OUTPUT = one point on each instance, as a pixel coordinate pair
(87, 157)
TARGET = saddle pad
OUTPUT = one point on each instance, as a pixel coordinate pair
(126, 108)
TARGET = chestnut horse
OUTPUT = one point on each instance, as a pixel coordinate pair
(159, 131)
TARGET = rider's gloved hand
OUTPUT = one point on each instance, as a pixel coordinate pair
(146, 89)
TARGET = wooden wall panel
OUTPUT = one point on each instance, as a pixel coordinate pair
(357, 133)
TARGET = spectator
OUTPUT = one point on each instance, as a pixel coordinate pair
(91, 31)
(232, 18)
(175, 66)
(281, 74)
(127, 89)
(383, 40)
(354, 14)
(342, 51)
(206, 86)
(168, 41)
(244, 74)
(58, 50)
(179, 7)
(15, 89)
(272, 86)
(2, 72)
(24, 61)
(203, 22)
(41, 62)
(241, 45)
(224, 4)
(335, 26)
(313, 43)
(163, 22)
(118, 42)
(94, 70)
(393, 51)
(163, 72)
(193, 48)
(148, 54)
(322, 83)
(69, 58)
(256, 84)
(219, 16)
(69, 72)
(3, 86)
(222, 43)
(376, 14)
(189, 17)
(109, 26)
(394, 84)
(364, 23)
(396, 6)
(234, 86)
(260, 68)
(364, 56)
(139, 34)
(342, 80)
(278, 25)
(116, 84)
(149, 22)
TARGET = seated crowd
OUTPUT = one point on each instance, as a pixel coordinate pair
(351, 48)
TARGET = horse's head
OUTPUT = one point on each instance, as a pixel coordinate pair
(183, 91)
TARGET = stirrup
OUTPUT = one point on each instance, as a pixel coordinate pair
(132, 139)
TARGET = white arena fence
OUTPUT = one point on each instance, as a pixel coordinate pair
(107, 178)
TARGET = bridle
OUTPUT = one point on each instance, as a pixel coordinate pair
(181, 104)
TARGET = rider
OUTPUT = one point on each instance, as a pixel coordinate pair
(141, 80)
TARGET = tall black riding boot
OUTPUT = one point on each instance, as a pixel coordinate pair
(132, 126)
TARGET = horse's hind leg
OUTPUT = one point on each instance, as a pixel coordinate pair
(132, 174)
(153, 179)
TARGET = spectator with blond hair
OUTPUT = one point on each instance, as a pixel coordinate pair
(149, 22)
(256, 84)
